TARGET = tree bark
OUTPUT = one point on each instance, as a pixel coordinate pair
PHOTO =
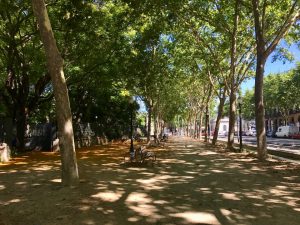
(232, 98)
(263, 50)
(200, 125)
(149, 122)
(156, 140)
(232, 119)
(259, 108)
(64, 117)
(21, 118)
(195, 126)
(219, 117)
(206, 138)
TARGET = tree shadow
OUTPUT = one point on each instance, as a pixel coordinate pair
(191, 183)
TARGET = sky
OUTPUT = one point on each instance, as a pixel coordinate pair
(275, 67)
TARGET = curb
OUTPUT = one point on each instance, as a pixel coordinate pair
(281, 153)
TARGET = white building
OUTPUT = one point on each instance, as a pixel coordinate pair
(224, 125)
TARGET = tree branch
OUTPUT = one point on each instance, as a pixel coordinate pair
(290, 20)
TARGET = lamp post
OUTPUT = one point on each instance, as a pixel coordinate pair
(207, 125)
(240, 114)
(131, 149)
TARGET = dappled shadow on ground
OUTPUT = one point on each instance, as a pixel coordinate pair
(190, 183)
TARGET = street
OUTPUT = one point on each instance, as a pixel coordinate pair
(279, 144)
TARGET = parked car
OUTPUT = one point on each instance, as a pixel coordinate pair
(287, 131)
(295, 136)
(222, 133)
(251, 133)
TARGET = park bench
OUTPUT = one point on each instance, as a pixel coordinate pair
(140, 155)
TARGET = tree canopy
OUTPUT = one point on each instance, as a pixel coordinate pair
(181, 58)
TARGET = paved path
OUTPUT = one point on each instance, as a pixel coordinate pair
(191, 183)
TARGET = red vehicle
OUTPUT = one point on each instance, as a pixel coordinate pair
(295, 136)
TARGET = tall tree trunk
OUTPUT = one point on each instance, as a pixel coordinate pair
(207, 123)
(232, 98)
(156, 128)
(195, 126)
(263, 50)
(260, 109)
(188, 127)
(232, 119)
(219, 117)
(200, 124)
(21, 118)
(206, 139)
(63, 111)
(149, 122)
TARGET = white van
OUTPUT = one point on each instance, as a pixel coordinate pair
(286, 131)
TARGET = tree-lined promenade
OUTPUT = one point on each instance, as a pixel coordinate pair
(78, 62)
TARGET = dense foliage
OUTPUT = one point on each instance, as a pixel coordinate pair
(179, 57)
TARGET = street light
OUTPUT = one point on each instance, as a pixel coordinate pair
(240, 114)
(131, 150)
(207, 125)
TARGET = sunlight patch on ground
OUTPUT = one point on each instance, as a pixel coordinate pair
(21, 182)
(116, 182)
(245, 160)
(160, 202)
(291, 178)
(109, 164)
(218, 171)
(198, 218)
(205, 190)
(278, 192)
(225, 212)
(88, 222)
(275, 201)
(152, 183)
(253, 195)
(137, 197)
(2, 187)
(43, 168)
(230, 196)
(56, 180)
(208, 153)
(141, 204)
(256, 168)
(84, 208)
(21, 163)
(133, 219)
(192, 172)
(16, 200)
(292, 201)
(108, 196)
(175, 161)
(189, 146)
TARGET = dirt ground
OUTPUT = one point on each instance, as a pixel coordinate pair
(191, 183)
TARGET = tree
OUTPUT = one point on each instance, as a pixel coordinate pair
(272, 21)
(64, 117)
(281, 94)
(222, 29)
(24, 84)
(248, 105)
